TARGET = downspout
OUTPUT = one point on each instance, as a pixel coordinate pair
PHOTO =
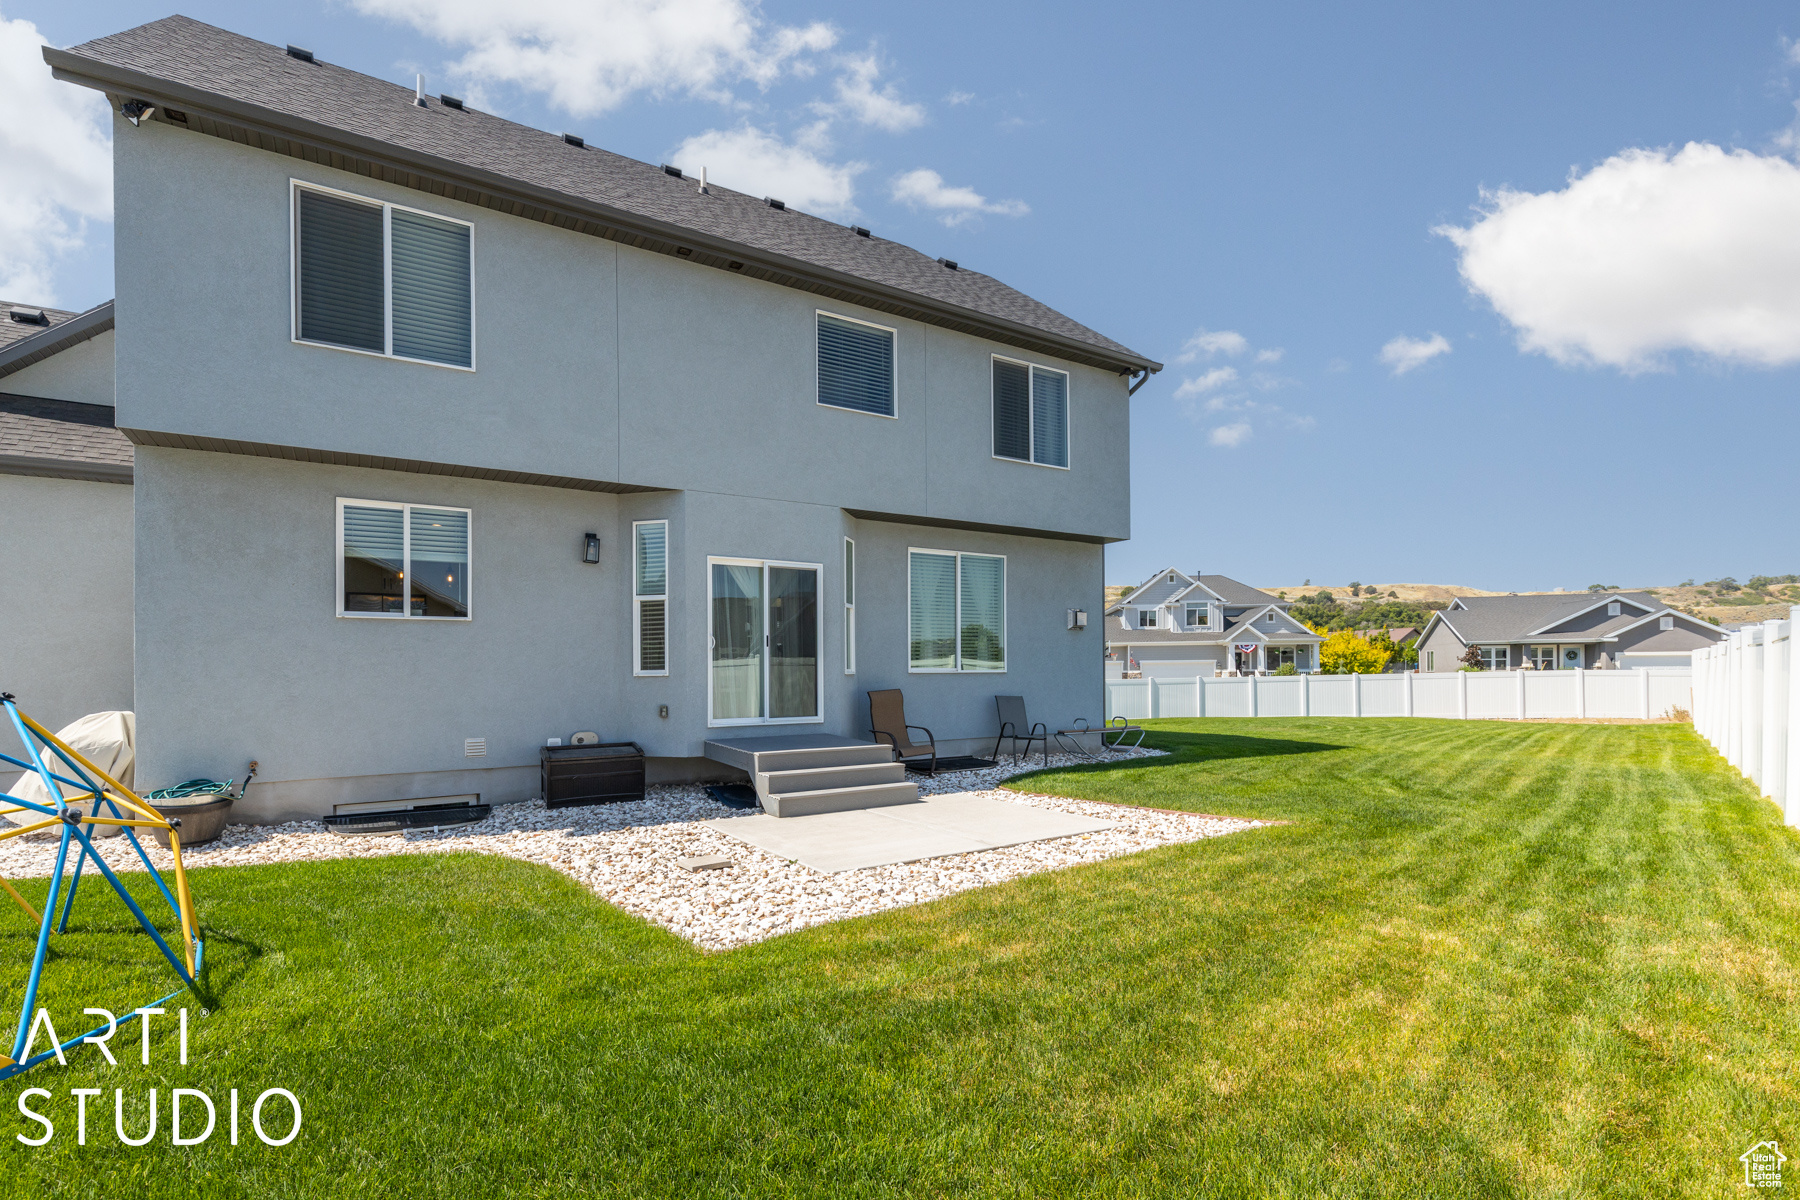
(1143, 379)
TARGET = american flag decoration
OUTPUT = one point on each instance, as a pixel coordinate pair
(1246, 648)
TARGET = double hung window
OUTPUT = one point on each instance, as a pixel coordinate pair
(849, 607)
(856, 365)
(1494, 658)
(650, 594)
(402, 560)
(383, 279)
(1031, 413)
(956, 607)
(1542, 658)
(1197, 615)
(1146, 618)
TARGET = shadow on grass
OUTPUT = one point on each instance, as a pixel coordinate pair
(1189, 747)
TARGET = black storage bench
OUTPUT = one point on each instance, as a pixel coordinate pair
(577, 775)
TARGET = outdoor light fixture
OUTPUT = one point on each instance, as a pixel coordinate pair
(590, 552)
(136, 110)
(1078, 618)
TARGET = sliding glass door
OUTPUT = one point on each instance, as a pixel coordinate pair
(765, 641)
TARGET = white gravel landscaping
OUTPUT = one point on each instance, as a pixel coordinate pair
(626, 853)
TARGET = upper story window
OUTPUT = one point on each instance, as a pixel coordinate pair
(1197, 615)
(1270, 617)
(1612, 610)
(856, 365)
(382, 279)
(1031, 413)
(1146, 618)
(402, 560)
(1665, 622)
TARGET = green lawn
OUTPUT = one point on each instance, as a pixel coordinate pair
(1483, 959)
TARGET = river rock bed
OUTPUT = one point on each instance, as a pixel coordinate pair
(626, 853)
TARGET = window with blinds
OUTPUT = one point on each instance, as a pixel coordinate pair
(957, 611)
(1031, 413)
(856, 365)
(402, 560)
(383, 279)
(650, 589)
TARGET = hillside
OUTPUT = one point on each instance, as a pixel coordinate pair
(1724, 601)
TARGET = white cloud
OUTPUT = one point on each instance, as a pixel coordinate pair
(1647, 253)
(926, 188)
(588, 58)
(57, 149)
(1403, 354)
(1230, 436)
(1206, 343)
(1269, 356)
(883, 108)
(955, 98)
(1213, 380)
(760, 163)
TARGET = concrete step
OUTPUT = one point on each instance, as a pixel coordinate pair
(768, 762)
(818, 779)
(877, 795)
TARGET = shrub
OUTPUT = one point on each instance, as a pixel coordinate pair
(1287, 669)
(1471, 659)
(1343, 653)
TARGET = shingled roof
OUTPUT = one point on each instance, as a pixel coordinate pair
(62, 438)
(29, 340)
(235, 87)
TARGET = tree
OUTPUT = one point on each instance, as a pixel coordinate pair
(1343, 653)
(1471, 659)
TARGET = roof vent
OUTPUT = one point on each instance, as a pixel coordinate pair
(684, 251)
(30, 316)
(735, 266)
(668, 170)
(302, 55)
(575, 140)
(859, 231)
(948, 263)
(778, 205)
(451, 102)
(176, 115)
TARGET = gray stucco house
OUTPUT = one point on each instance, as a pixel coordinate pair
(65, 493)
(1176, 624)
(452, 436)
(1563, 632)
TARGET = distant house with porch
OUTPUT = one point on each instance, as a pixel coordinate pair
(1563, 632)
(1176, 624)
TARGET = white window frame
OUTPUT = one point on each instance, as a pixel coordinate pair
(1665, 623)
(819, 641)
(894, 383)
(405, 509)
(849, 606)
(1501, 654)
(637, 604)
(1005, 617)
(1188, 614)
(1141, 613)
(1612, 609)
(1537, 654)
(1031, 414)
(1431, 660)
(295, 186)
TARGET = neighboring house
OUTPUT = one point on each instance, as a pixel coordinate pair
(1563, 632)
(1402, 634)
(1175, 624)
(66, 499)
(453, 436)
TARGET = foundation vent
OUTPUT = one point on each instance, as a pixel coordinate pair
(474, 747)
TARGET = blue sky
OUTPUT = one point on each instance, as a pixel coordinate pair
(1613, 402)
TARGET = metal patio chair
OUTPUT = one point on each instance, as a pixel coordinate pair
(887, 723)
(1015, 727)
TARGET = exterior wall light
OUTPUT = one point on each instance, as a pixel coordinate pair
(1078, 618)
(590, 552)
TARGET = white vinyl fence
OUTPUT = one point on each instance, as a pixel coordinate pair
(1464, 695)
(1747, 704)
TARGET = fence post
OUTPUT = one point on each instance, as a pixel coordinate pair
(1356, 695)
(1406, 691)
(1462, 695)
(1199, 697)
(1644, 691)
(1521, 696)
(1734, 700)
(1580, 693)
(1250, 681)
(1774, 712)
(1150, 695)
(1790, 807)
(1306, 694)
